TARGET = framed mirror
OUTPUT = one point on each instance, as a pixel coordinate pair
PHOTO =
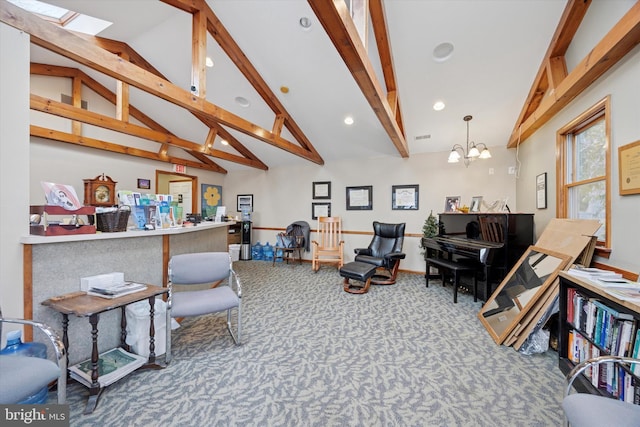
(534, 272)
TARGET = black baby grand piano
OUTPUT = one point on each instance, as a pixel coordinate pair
(468, 237)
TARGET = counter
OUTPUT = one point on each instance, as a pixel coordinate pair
(53, 266)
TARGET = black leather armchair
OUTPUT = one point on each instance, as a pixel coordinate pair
(384, 251)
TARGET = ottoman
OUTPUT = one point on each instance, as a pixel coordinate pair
(359, 271)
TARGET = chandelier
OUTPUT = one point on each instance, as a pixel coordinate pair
(473, 151)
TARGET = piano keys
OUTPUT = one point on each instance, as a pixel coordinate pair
(479, 250)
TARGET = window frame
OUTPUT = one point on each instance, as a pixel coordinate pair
(600, 111)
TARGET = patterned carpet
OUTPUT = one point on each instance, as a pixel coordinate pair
(313, 355)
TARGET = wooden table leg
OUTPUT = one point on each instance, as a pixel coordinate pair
(123, 328)
(152, 330)
(65, 335)
(95, 390)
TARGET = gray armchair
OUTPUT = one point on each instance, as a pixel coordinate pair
(591, 410)
(203, 268)
(23, 376)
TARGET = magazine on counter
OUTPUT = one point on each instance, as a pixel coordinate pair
(112, 365)
(115, 291)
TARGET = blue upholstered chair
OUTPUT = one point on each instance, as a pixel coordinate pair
(203, 268)
(591, 410)
(23, 376)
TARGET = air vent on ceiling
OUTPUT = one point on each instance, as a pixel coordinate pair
(419, 137)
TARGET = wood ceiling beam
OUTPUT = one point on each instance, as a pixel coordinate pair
(237, 145)
(84, 141)
(76, 100)
(122, 97)
(569, 23)
(60, 109)
(237, 56)
(619, 41)
(379, 23)
(199, 54)
(334, 17)
(73, 47)
(118, 47)
(51, 70)
(54, 70)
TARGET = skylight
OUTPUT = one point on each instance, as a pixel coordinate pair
(65, 18)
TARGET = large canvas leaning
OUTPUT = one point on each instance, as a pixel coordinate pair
(534, 272)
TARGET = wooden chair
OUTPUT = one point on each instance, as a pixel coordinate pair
(329, 246)
(491, 228)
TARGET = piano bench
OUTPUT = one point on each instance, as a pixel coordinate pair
(360, 271)
(456, 269)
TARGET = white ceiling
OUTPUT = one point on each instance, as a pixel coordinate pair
(499, 45)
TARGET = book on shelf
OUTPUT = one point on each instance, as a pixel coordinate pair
(627, 293)
(592, 273)
(112, 365)
(115, 291)
(616, 282)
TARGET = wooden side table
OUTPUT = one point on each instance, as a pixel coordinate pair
(83, 305)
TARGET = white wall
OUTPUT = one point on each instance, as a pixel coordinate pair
(284, 195)
(622, 83)
(14, 164)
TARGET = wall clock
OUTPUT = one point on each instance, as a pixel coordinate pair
(100, 191)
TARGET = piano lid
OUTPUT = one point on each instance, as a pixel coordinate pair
(471, 248)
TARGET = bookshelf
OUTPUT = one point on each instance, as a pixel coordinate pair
(594, 323)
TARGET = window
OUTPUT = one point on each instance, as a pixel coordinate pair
(583, 183)
(63, 17)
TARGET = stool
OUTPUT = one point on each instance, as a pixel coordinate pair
(360, 271)
(456, 269)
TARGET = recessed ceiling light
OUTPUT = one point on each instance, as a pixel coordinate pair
(305, 23)
(438, 106)
(442, 52)
(209, 62)
(348, 120)
(242, 101)
(224, 142)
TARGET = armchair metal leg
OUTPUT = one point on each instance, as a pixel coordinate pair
(236, 338)
(167, 354)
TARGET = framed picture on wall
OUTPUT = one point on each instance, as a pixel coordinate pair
(144, 184)
(211, 198)
(245, 202)
(320, 209)
(404, 197)
(322, 190)
(360, 198)
(541, 191)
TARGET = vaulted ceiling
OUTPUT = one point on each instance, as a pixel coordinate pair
(508, 58)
